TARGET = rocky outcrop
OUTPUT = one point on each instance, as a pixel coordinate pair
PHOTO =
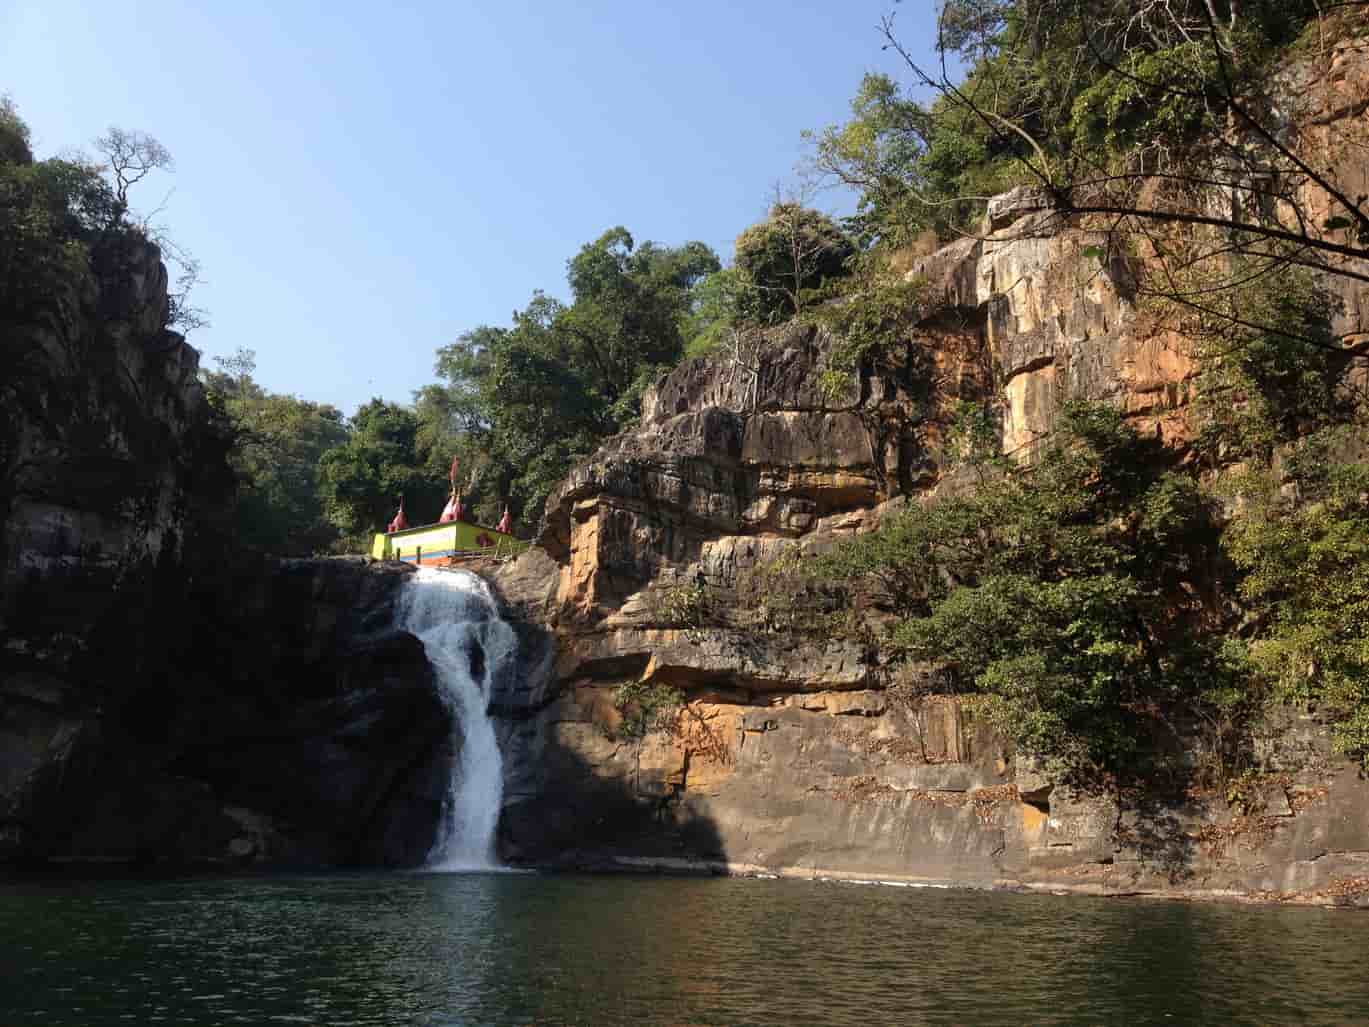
(298, 728)
(107, 444)
(667, 560)
(160, 700)
(848, 784)
(669, 540)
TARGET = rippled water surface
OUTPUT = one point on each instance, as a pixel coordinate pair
(521, 948)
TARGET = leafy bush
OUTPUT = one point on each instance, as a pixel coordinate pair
(682, 605)
(646, 708)
(1269, 365)
(1057, 594)
(783, 258)
(865, 314)
(1304, 552)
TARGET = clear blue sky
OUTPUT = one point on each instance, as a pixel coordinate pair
(362, 182)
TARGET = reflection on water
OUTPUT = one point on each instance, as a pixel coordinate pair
(441, 949)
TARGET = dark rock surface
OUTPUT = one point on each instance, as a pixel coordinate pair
(296, 728)
(162, 701)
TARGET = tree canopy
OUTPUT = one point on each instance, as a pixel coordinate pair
(1153, 114)
(279, 443)
(524, 401)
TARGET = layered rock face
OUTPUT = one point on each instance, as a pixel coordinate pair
(664, 557)
(160, 701)
(103, 449)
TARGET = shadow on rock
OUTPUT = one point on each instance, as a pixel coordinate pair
(576, 796)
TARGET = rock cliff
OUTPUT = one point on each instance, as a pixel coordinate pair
(662, 561)
(160, 700)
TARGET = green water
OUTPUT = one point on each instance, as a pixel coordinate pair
(529, 949)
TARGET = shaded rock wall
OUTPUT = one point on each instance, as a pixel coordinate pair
(107, 445)
(160, 700)
(297, 729)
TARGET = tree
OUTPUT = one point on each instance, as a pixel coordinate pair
(362, 480)
(522, 403)
(129, 158)
(718, 309)
(908, 170)
(14, 135)
(278, 444)
(1061, 594)
(1158, 114)
(1306, 566)
(792, 252)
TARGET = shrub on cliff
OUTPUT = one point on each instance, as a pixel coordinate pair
(52, 213)
(1059, 594)
(1303, 547)
(645, 708)
(794, 251)
(866, 313)
(1269, 363)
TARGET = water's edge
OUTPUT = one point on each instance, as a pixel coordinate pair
(672, 866)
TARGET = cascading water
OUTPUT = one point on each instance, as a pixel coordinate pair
(454, 614)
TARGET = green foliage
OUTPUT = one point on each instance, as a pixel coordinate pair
(646, 708)
(868, 312)
(362, 480)
(278, 444)
(794, 251)
(1066, 660)
(52, 213)
(682, 605)
(57, 239)
(1073, 87)
(14, 135)
(973, 439)
(1304, 551)
(721, 302)
(523, 403)
(1268, 365)
(879, 153)
(1136, 105)
(1056, 593)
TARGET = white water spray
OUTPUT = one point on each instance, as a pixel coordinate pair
(454, 614)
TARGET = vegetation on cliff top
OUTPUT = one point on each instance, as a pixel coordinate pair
(77, 277)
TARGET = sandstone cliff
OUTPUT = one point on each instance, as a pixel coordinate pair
(659, 566)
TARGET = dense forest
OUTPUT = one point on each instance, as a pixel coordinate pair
(1097, 596)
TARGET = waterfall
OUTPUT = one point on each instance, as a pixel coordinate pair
(454, 614)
